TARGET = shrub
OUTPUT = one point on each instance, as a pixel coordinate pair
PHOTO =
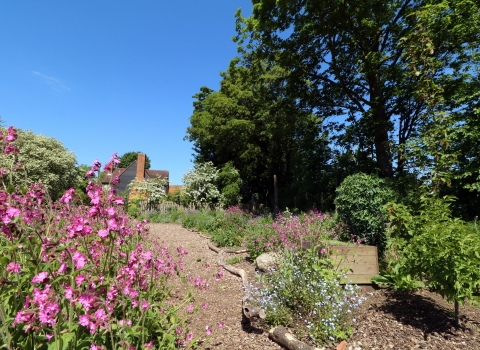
(231, 227)
(291, 231)
(359, 202)
(304, 292)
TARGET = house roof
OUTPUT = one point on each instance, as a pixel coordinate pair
(157, 173)
(108, 177)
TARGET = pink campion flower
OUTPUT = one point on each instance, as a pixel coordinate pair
(116, 181)
(84, 320)
(118, 201)
(48, 312)
(80, 279)
(190, 308)
(90, 174)
(178, 330)
(221, 324)
(12, 134)
(49, 336)
(181, 250)
(134, 303)
(205, 306)
(40, 278)
(208, 330)
(133, 294)
(103, 233)
(67, 196)
(63, 268)
(220, 275)
(13, 267)
(101, 315)
(68, 292)
(112, 224)
(86, 301)
(111, 211)
(96, 165)
(207, 265)
(79, 260)
(10, 149)
(189, 336)
(145, 305)
(27, 302)
(323, 251)
(95, 347)
(148, 345)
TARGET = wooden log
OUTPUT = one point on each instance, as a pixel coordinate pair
(248, 310)
(283, 337)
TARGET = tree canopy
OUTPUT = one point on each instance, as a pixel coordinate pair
(45, 160)
(128, 158)
(358, 60)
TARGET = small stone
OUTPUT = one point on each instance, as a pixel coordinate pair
(342, 345)
(266, 261)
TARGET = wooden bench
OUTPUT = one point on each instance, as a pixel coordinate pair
(361, 259)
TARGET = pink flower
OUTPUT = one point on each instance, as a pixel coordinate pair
(79, 260)
(62, 268)
(40, 278)
(100, 315)
(148, 345)
(95, 347)
(49, 336)
(181, 250)
(145, 305)
(68, 292)
(220, 275)
(90, 174)
(208, 331)
(188, 336)
(178, 330)
(190, 308)
(207, 265)
(79, 279)
(221, 324)
(13, 267)
(205, 306)
(12, 134)
(103, 233)
(11, 149)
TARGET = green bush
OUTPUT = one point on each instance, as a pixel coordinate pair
(360, 205)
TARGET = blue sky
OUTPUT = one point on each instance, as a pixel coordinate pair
(113, 76)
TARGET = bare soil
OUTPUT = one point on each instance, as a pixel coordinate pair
(387, 320)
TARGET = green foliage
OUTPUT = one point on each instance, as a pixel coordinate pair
(323, 316)
(359, 202)
(44, 160)
(231, 228)
(432, 246)
(229, 182)
(234, 260)
(128, 158)
(380, 68)
(205, 221)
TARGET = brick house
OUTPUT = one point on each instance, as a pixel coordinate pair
(137, 171)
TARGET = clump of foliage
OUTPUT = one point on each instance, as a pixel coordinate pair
(44, 159)
(304, 292)
(128, 158)
(433, 249)
(292, 232)
(82, 276)
(231, 227)
(360, 205)
(205, 221)
(229, 183)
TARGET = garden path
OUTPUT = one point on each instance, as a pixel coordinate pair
(387, 320)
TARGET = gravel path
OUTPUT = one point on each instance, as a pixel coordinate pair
(386, 321)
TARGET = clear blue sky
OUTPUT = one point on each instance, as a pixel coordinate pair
(113, 76)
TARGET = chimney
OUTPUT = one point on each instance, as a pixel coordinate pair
(140, 175)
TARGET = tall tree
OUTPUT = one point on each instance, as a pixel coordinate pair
(357, 59)
(253, 123)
